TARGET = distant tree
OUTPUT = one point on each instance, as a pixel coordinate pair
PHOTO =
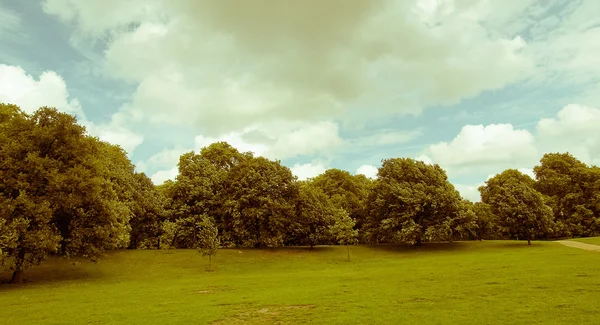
(346, 191)
(147, 208)
(487, 227)
(573, 191)
(343, 230)
(315, 214)
(260, 197)
(412, 201)
(207, 241)
(521, 210)
(61, 191)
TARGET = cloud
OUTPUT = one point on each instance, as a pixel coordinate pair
(574, 129)
(491, 147)
(306, 171)
(161, 176)
(19, 88)
(469, 192)
(368, 170)
(281, 139)
(50, 89)
(223, 66)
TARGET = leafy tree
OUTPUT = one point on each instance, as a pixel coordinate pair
(208, 239)
(315, 214)
(343, 230)
(521, 210)
(346, 191)
(573, 190)
(60, 190)
(412, 201)
(148, 212)
(486, 221)
(260, 196)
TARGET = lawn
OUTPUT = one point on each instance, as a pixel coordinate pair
(589, 240)
(460, 283)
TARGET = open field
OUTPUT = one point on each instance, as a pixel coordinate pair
(588, 240)
(492, 282)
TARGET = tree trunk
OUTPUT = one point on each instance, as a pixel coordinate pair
(418, 243)
(17, 277)
(528, 241)
(348, 249)
(209, 263)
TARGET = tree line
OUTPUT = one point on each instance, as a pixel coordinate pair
(66, 193)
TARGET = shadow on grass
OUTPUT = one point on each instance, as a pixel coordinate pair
(405, 248)
(51, 271)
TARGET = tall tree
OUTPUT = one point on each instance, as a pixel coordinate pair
(147, 213)
(521, 210)
(315, 214)
(60, 190)
(260, 196)
(572, 188)
(346, 191)
(412, 201)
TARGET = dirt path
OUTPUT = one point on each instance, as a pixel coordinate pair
(576, 244)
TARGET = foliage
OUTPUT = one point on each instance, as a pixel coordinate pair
(314, 216)
(147, 209)
(521, 210)
(260, 196)
(60, 190)
(573, 190)
(412, 201)
(207, 240)
(487, 227)
(346, 191)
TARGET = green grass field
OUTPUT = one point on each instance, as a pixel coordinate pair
(589, 240)
(460, 283)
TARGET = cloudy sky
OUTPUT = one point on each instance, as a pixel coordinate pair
(475, 86)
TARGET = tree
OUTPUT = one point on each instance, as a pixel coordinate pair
(315, 214)
(61, 191)
(343, 230)
(260, 195)
(486, 221)
(572, 189)
(521, 210)
(147, 213)
(346, 191)
(207, 239)
(412, 201)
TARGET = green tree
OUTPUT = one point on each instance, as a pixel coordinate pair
(60, 190)
(343, 230)
(572, 189)
(207, 239)
(315, 214)
(521, 210)
(147, 213)
(412, 201)
(346, 191)
(260, 201)
(487, 227)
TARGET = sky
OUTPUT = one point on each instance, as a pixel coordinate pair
(476, 86)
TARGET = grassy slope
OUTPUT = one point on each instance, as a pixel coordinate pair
(460, 283)
(588, 240)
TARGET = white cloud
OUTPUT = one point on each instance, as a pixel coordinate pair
(223, 71)
(425, 159)
(161, 176)
(469, 192)
(368, 170)
(306, 171)
(19, 88)
(167, 158)
(574, 129)
(485, 148)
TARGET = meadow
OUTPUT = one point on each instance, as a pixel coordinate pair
(589, 240)
(490, 282)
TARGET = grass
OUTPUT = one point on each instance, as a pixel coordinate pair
(588, 240)
(460, 283)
